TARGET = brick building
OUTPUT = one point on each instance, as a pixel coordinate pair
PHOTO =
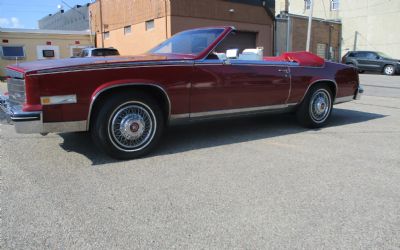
(325, 35)
(134, 27)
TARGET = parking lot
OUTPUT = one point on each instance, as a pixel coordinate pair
(253, 183)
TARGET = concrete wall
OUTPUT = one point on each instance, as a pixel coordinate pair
(32, 41)
(73, 19)
(374, 20)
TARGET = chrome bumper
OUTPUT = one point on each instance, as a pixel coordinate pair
(359, 93)
(24, 122)
(32, 122)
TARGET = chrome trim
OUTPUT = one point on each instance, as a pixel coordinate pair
(32, 122)
(289, 77)
(242, 62)
(149, 138)
(123, 85)
(59, 99)
(15, 113)
(14, 74)
(179, 116)
(316, 81)
(343, 99)
(240, 110)
(232, 111)
(16, 91)
(114, 65)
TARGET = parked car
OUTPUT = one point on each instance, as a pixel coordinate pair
(90, 52)
(372, 61)
(126, 102)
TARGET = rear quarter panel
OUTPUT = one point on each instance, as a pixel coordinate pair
(302, 78)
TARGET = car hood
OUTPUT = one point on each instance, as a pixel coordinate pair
(60, 64)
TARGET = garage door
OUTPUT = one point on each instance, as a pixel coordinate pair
(240, 40)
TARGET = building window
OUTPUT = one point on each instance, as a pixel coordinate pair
(334, 5)
(150, 24)
(127, 30)
(12, 52)
(48, 53)
(307, 4)
(106, 34)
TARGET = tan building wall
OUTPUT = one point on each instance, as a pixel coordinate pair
(31, 39)
(375, 22)
(138, 41)
(171, 17)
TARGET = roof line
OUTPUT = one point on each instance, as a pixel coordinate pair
(42, 31)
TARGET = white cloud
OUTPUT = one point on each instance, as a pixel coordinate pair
(12, 22)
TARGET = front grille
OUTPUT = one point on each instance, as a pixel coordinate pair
(16, 91)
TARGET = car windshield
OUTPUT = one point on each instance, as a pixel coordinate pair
(188, 42)
(384, 55)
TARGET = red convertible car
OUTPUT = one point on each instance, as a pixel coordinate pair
(126, 102)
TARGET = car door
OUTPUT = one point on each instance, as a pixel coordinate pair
(368, 61)
(231, 86)
(373, 61)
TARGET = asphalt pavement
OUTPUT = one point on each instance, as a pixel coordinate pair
(249, 183)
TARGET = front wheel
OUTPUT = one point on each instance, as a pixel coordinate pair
(128, 125)
(316, 107)
(389, 70)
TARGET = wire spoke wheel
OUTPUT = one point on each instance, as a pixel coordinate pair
(132, 126)
(320, 106)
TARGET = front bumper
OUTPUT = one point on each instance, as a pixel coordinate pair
(24, 122)
(32, 122)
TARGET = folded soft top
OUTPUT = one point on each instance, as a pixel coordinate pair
(303, 58)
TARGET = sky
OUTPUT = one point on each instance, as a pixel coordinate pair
(25, 14)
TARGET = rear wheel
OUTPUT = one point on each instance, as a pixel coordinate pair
(389, 70)
(128, 125)
(316, 107)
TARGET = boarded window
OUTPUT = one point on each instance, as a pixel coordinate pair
(321, 50)
(48, 53)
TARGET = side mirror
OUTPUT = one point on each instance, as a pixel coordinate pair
(232, 53)
(378, 57)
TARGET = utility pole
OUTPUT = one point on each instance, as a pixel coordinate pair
(101, 25)
(309, 25)
(287, 9)
(355, 40)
